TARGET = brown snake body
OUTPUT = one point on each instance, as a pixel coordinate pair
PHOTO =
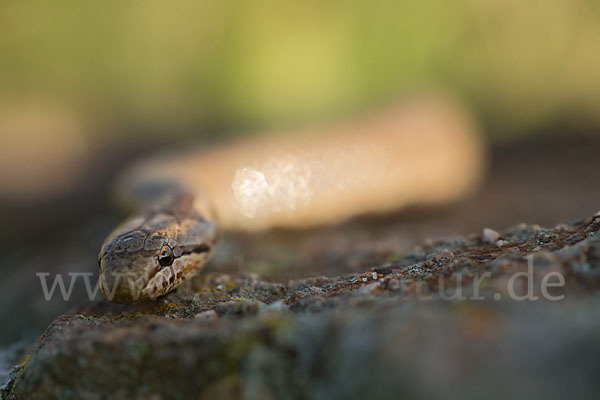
(426, 152)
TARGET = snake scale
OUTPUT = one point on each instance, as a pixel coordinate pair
(423, 152)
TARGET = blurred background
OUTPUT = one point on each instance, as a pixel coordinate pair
(85, 87)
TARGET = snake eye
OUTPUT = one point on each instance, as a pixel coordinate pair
(165, 257)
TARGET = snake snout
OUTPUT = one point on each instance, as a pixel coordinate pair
(118, 284)
(125, 269)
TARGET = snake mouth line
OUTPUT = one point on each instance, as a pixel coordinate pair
(149, 283)
(203, 248)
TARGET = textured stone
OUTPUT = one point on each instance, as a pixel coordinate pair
(438, 323)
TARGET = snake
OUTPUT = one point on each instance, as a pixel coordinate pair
(423, 151)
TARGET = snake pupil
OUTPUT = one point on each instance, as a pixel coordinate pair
(165, 257)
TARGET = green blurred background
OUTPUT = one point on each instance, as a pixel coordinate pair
(180, 66)
(78, 77)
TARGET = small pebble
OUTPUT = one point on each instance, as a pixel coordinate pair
(502, 243)
(276, 306)
(239, 308)
(208, 314)
(521, 227)
(366, 289)
(535, 228)
(561, 227)
(394, 284)
(428, 242)
(490, 236)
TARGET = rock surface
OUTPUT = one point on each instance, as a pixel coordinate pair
(464, 318)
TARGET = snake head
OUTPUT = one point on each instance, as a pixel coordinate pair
(150, 255)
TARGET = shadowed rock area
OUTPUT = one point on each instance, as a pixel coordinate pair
(452, 319)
